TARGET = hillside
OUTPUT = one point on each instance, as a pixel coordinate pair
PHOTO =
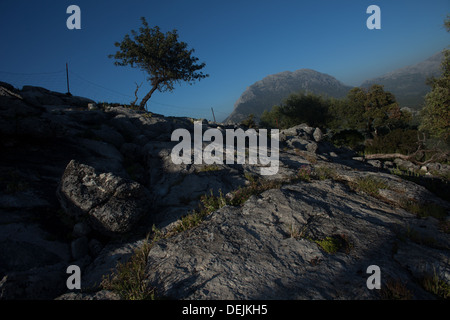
(408, 84)
(95, 186)
(271, 90)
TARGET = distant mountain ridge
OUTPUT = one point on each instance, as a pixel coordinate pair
(273, 89)
(408, 84)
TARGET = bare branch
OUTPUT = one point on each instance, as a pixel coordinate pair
(133, 103)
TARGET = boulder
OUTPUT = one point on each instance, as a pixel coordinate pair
(111, 204)
(318, 135)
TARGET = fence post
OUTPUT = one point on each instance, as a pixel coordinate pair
(213, 114)
(67, 77)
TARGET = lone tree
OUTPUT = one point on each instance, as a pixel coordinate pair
(166, 59)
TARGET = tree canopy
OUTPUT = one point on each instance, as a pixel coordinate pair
(436, 113)
(163, 57)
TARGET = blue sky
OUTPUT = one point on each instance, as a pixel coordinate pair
(241, 41)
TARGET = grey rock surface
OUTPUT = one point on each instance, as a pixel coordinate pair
(251, 253)
(86, 186)
(111, 204)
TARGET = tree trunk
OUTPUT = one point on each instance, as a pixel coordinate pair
(145, 99)
(387, 156)
(439, 155)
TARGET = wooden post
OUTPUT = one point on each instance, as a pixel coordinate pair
(67, 77)
(213, 114)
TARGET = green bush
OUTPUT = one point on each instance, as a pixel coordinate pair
(349, 138)
(402, 141)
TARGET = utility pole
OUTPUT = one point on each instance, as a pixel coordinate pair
(67, 77)
(213, 114)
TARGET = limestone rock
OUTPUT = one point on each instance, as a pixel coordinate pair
(114, 179)
(111, 204)
(269, 248)
(318, 135)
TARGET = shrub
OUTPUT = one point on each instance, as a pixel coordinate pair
(304, 173)
(323, 173)
(402, 141)
(349, 138)
(249, 122)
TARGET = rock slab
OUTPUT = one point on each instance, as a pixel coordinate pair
(112, 205)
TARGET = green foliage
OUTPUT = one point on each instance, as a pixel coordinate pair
(425, 210)
(304, 173)
(349, 138)
(249, 122)
(335, 243)
(305, 108)
(403, 141)
(324, 172)
(298, 108)
(368, 111)
(436, 113)
(273, 118)
(434, 284)
(348, 113)
(163, 57)
(128, 280)
(208, 204)
(329, 244)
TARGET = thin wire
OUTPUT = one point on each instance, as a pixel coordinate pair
(100, 86)
(32, 74)
(110, 90)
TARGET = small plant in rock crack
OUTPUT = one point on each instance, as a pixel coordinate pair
(297, 232)
(129, 279)
(370, 185)
(304, 173)
(436, 285)
(333, 244)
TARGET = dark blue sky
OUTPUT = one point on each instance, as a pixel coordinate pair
(241, 41)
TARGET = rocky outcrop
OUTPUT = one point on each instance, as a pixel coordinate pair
(270, 248)
(111, 204)
(85, 184)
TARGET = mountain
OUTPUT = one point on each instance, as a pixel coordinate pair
(408, 84)
(271, 90)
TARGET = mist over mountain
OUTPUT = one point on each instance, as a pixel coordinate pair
(408, 84)
(273, 89)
